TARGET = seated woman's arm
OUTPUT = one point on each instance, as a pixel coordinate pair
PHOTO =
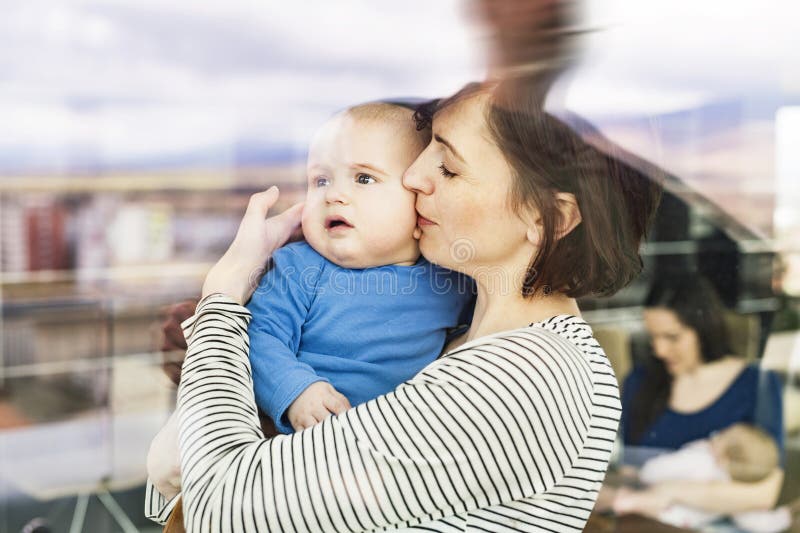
(472, 430)
(727, 497)
(723, 497)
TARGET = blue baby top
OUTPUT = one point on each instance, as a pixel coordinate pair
(754, 397)
(365, 331)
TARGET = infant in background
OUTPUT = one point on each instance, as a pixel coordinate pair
(741, 452)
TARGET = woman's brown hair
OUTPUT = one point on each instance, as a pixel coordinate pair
(616, 201)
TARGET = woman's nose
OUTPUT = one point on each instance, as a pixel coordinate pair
(659, 348)
(415, 179)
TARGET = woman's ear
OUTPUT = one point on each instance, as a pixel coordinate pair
(569, 213)
(534, 234)
(533, 221)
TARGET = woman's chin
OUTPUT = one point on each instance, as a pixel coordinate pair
(434, 254)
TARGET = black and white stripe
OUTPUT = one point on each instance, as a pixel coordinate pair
(510, 432)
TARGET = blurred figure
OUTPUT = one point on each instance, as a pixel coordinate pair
(690, 388)
(529, 36)
(741, 453)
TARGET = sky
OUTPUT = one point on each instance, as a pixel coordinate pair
(124, 83)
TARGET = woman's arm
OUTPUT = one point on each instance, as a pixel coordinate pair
(163, 465)
(237, 273)
(725, 497)
(451, 440)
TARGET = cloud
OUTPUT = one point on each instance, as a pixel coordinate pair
(141, 78)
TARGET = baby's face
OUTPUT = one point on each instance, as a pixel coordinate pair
(357, 213)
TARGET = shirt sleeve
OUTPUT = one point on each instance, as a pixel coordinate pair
(480, 427)
(769, 409)
(279, 307)
(156, 507)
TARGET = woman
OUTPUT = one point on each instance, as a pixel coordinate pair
(691, 388)
(512, 427)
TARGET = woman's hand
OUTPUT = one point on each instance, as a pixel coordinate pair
(648, 502)
(237, 273)
(163, 461)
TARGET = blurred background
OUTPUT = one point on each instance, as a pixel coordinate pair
(133, 133)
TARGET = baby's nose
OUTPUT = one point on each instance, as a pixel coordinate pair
(336, 194)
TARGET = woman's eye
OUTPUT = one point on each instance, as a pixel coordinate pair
(364, 179)
(321, 182)
(445, 172)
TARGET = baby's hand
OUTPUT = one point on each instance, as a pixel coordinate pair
(314, 404)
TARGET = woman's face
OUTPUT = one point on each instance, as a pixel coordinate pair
(462, 183)
(675, 343)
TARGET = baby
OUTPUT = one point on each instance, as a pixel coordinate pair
(355, 310)
(741, 452)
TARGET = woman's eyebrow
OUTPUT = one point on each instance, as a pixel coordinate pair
(444, 141)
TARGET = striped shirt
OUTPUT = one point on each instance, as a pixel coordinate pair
(509, 432)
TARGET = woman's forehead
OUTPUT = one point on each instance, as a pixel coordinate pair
(462, 118)
(662, 317)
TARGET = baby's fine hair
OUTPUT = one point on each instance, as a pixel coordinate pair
(751, 453)
(400, 114)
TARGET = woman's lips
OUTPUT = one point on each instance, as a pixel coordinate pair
(422, 221)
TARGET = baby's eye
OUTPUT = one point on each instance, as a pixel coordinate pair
(321, 182)
(364, 178)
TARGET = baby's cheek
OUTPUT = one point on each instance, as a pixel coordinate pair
(408, 199)
(313, 232)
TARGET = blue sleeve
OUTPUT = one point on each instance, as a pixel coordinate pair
(769, 409)
(279, 307)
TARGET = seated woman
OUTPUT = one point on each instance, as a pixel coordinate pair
(692, 388)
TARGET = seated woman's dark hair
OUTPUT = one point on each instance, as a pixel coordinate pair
(696, 305)
(616, 201)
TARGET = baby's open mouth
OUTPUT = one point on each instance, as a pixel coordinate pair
(337, 222)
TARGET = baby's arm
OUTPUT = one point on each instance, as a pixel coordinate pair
(288, 390)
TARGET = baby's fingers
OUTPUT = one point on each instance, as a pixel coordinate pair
(319, 412)
(303, 422)
(336, 403)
